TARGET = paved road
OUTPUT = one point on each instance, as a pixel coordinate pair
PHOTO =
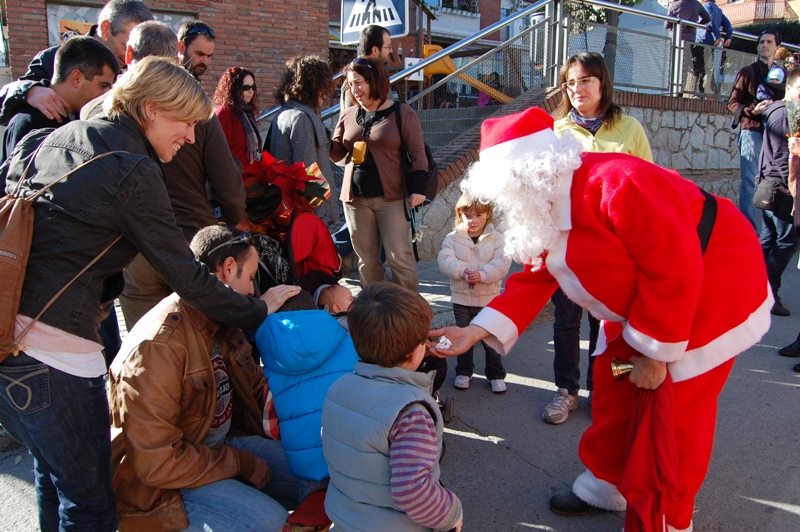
(505, 463)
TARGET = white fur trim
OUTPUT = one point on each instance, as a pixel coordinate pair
(702, 359)
(598, 493)
(504, 332)
(513, 149)
(571, 285)
(652, 348)
(602, 341)
(562, 208)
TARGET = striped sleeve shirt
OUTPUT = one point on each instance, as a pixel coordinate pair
(412, 456)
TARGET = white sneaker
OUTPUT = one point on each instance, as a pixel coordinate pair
(462, 382)
(498, 385)
(559, 408)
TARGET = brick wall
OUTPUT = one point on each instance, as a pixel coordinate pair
(258, 35)
(490, 13)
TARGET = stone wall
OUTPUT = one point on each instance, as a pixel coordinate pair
(693, 137)
(700, 146)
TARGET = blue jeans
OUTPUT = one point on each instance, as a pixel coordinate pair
(63, 421)
(465, 366)
(232, 505)
(749, 153)
(566, 343)
(779, 241)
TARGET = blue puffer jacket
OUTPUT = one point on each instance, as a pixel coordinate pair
(303, 353)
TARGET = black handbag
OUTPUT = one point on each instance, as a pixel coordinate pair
(768, 196)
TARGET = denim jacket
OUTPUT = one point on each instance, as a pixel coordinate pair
(80, 216)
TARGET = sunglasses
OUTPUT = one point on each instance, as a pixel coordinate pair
(246, 238)
(361, 62)
(201, 30)
(246, 88)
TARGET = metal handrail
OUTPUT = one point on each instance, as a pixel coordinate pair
(466, 67)
(536, 7)
(436, 57)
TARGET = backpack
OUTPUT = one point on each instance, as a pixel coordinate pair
(16, 235)
(432, 178)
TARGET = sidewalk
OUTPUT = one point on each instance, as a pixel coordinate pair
(505, 463)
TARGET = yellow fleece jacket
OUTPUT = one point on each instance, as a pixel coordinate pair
(627, 136)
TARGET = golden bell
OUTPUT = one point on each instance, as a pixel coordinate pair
(620, 368)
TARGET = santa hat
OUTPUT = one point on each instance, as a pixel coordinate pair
(513, 136)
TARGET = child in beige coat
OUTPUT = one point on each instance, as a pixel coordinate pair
(472, 257)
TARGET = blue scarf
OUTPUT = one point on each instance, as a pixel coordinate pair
(592, 125)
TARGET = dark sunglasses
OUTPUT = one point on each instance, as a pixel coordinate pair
(201, 30)
(361, 62)
(245, 238)
(246, 88)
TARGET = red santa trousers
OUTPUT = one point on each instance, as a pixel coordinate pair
(602, 447)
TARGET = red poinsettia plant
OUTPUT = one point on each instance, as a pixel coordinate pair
(276, 192)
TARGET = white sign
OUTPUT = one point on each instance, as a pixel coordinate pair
(419, 74)
(358, 14)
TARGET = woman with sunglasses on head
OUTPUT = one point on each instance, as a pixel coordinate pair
(374, 188)
(588, 112)
(297, 133)
(108, 208)
(236, 100)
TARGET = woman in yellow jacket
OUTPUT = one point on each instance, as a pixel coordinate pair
(589, 113)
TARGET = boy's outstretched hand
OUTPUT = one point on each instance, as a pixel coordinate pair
(460, 339)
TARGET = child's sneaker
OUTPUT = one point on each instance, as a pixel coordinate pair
(498, 385)
(462, 382)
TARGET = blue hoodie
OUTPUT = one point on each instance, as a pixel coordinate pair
(303, 353)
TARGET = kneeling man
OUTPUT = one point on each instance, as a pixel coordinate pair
(186, 398)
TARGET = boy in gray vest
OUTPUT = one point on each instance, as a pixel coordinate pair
(381, 429)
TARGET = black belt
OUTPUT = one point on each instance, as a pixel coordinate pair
(707, 220)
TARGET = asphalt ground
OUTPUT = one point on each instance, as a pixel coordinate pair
(505, 463)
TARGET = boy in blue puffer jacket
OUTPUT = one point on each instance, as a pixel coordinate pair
(304, 351)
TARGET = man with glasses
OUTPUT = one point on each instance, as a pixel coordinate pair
(747, 110)
(200, 173)
(375, 42)
(188, 443)
(196, 42)
(114, 24)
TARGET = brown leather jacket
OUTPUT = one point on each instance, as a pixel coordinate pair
(162, 396)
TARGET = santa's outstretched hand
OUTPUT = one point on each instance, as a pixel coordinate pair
(460, 340)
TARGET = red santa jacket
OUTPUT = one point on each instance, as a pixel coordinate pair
(630, 254)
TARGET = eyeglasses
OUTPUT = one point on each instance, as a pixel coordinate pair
(579, 83)
(246, 88)
(245, 238)
(201, 30)
(360, 61)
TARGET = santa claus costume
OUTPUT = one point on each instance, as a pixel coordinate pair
(620, 236)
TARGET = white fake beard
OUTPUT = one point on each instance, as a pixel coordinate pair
(523, 192)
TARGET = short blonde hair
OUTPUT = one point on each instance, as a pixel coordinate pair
(159, 81)
(466, 203)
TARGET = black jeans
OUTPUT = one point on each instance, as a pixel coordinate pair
(465, 366)
(566, 341)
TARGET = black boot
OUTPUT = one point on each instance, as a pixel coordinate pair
(567, 503)
(792, 350)
(778, 309)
